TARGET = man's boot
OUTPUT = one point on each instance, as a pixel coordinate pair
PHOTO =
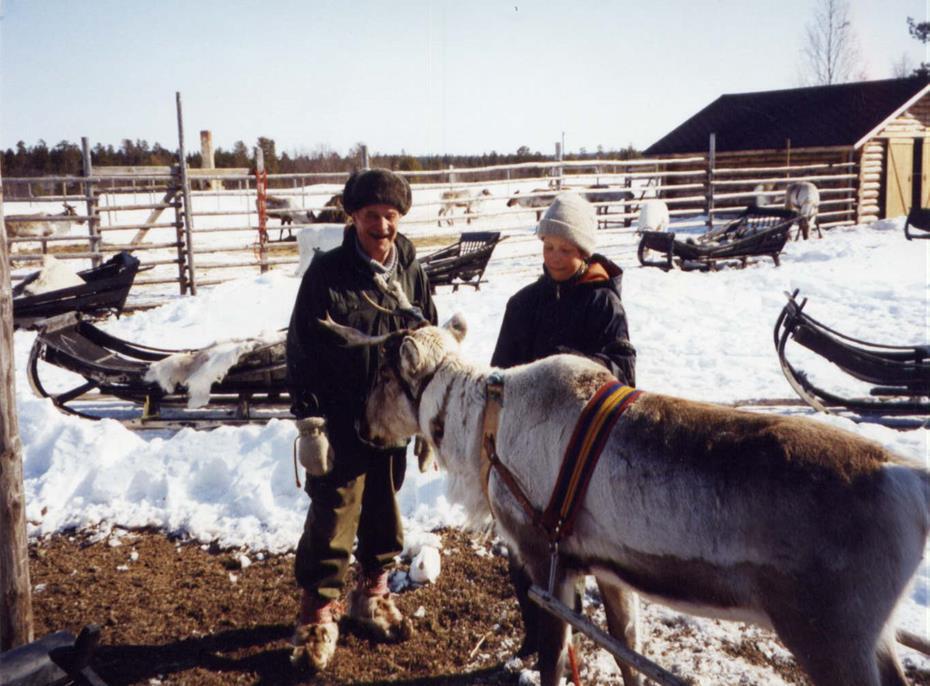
(372, 607)
(317, 632)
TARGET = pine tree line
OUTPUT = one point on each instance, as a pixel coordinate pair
(65, 158)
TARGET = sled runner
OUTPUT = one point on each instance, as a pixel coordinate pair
(58, 658)
(899, 375)
(252, 390)
(104, 290)
(757, 232)
(918, 218)
(462, 263)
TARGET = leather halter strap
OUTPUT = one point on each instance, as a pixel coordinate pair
(581, 454)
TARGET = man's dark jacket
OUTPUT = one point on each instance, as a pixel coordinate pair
(324, 377)
(582, 315)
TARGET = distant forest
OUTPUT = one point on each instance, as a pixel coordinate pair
(64, 159)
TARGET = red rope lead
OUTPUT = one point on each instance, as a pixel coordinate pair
(576, 679)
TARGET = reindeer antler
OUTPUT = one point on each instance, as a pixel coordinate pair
(393, 290)
(353, 337)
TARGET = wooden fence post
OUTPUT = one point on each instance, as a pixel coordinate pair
(15, 588)
(709, 190)
(93, 218)
(261, 195)
(207, 160)
(188, 210)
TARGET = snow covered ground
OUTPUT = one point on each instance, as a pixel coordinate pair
(699, 335)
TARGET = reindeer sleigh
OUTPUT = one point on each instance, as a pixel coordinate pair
(103, 289)
(757, 232)
(231, 382)
(899, 376)
(780, 521)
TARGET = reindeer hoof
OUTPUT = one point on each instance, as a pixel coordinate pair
(314, 646)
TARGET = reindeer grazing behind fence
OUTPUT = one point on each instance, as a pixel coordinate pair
(781, 521)
(41, 225)
(540, 199)
(284, 210)
(460, 198)
(804, 198)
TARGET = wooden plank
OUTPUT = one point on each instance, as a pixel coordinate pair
(629, 657)
(168, 201)
(16, 626)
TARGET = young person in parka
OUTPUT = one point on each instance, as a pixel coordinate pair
(574, 308)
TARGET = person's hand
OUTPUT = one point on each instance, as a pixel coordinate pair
(312, 446)
(425, 457)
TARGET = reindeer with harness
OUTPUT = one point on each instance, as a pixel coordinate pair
(780, 521)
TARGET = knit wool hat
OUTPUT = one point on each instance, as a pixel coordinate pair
(376, 187)
(571, 217)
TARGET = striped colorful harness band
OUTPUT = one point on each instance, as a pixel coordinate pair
(584, 449)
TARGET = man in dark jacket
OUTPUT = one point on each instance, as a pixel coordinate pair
(574, 308)
(352, 484)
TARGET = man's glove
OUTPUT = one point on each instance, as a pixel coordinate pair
(312, 447)
(424, 453)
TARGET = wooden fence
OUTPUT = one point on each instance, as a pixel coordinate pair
(193, 228)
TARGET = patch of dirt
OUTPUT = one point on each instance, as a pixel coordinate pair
(172, 612)
(180, 612)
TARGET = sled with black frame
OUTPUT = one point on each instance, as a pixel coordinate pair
(462, 263)
(104, 290)
(756, 232)
(53, 660)
(899, 375)
(918, 218)
(253, 390)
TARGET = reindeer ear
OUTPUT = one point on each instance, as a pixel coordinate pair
(409, 355)
(456, 326)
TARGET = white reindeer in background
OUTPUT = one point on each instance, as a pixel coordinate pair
(538, 199)
(41, 225)
(781, 521)
(460, 198)
(653, 216)
(804, 198)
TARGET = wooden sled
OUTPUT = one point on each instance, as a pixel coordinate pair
(757, 232)
(253, 389)
(462, 263)
(899, 375)
(104, 291)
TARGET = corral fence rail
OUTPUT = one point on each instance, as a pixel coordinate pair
(192, 227)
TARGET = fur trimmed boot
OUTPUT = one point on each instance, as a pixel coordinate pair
(317, 632)
(372, 607)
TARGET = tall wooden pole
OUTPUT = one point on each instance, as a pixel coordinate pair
(188, 210)
(15, 589)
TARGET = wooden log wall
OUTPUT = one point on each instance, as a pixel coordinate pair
(871, 174)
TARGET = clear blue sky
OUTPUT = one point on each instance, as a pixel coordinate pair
(425, 77)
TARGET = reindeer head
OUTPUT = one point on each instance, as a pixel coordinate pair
(69, 210)
(410, 360)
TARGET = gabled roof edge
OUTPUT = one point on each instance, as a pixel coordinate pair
(917, 96)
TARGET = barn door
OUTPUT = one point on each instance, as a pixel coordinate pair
(898, 184)
(924, 196)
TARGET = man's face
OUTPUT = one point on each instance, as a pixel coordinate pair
(377, 229)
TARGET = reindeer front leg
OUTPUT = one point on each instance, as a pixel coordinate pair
(554, 633)
(622, 609)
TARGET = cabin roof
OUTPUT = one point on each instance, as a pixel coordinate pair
(842, 115)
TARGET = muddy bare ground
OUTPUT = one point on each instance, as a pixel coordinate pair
(175, 612)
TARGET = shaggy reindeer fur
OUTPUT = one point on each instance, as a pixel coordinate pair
(781, 521)
(804, 198)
